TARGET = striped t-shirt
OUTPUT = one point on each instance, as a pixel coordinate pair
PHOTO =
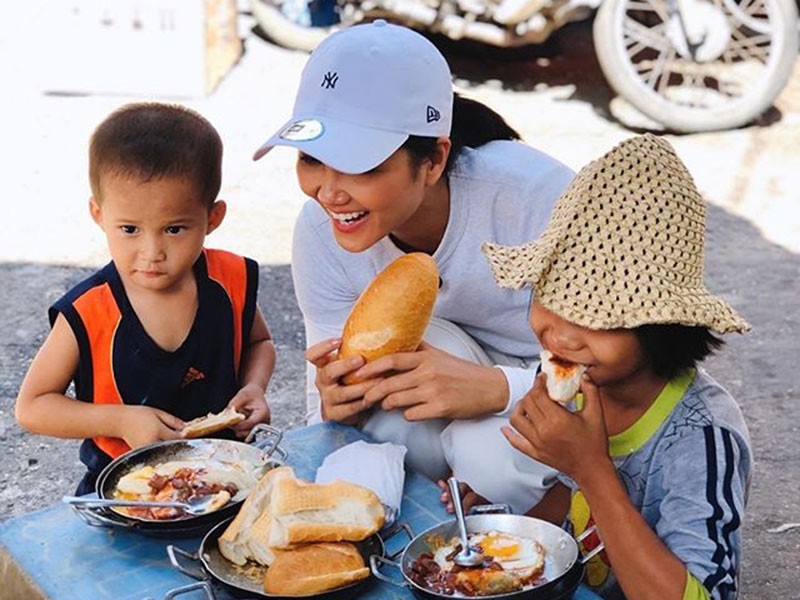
(686, 467)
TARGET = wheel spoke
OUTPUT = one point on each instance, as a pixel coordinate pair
(665, 75)
(658, 69)
(748, 48)
(753, 15)
(649, 36)
(660, 7)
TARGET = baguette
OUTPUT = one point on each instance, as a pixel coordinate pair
(211, 423)
(315, 568)
(392, 313)
(330, 512)
(563, 378)
(249, 529)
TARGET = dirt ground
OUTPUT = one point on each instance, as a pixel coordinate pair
(555, 95)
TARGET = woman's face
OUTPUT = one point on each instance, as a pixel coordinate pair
(612, 356)
(365, 208)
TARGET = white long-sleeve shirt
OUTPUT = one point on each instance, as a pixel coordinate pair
(502, 192)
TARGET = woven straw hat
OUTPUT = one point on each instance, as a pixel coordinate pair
(624, 246)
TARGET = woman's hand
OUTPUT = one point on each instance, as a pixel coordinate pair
(341, 403)
(572, 443)
(251, 401)
(432, 384)
(142, 425)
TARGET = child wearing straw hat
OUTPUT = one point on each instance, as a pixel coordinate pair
(653, 454)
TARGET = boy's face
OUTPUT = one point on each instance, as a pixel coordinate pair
(612, 356)
(155, 229)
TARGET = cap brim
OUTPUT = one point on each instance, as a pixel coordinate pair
(346, 147)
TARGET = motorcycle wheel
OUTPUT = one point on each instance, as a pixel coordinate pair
(283, 30)
(743, 56)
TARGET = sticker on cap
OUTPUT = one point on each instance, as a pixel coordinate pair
(303, 131)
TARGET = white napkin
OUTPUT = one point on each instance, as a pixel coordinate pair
(378, 467)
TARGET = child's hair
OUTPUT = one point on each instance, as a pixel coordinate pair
(474, 124)
(673, 348)
(152, 140)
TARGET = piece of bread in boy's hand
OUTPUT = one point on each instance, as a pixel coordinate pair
(211, 423)
(392, 313)
(563, 377)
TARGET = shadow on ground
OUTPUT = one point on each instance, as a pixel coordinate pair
(757, 277)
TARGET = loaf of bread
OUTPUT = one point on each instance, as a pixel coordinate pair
(211, 423)
(314, 568)
(246, 538)
(330, 512)
(392, 313)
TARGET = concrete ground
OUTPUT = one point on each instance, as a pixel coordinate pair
(555, 95)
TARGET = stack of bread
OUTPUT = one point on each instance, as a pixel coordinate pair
(303, 532)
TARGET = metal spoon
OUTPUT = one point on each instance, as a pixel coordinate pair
(198, 505)
(468, 556)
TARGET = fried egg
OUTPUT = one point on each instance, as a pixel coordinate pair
(520, 555)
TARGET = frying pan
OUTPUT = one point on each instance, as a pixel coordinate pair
(564, 566)
(258, 453)
(217, 568)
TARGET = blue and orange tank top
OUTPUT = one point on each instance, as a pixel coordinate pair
(120, 363)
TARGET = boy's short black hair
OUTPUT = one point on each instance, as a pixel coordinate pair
(152, 140)
(673, 348)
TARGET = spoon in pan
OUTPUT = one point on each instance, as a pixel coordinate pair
(198, 505)
(468, 556)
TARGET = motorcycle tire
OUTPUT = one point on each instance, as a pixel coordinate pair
(285, 32)
(717, 84)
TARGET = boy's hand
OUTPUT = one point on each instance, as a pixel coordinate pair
(251, 401)
(144, 425)
(546, 431)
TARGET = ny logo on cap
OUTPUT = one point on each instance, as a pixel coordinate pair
(330, 79)
(433, 114)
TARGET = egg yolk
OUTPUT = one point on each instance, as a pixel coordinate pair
(499, 547)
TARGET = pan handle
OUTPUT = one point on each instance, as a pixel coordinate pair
(94, 517)
(375, 563)
(488, 509)
(269, 432)
(597, 549)
(201, 585)
(392, 531)
(174, 551)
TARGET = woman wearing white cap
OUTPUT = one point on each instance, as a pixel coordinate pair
(393, 164)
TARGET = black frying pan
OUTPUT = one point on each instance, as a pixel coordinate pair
(249, 583)
(564, 567)
(258, 453)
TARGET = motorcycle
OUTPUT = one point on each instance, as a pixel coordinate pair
(690, 65)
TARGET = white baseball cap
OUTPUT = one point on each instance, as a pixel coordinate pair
(363, 91)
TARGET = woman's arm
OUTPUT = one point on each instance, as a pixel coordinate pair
(431, 384)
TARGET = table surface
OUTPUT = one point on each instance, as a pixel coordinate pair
(66, 559)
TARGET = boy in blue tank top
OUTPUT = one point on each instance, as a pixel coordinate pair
(168, 330)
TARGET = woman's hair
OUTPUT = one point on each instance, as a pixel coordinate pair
(150, 140)
(673, 348)
(474, 124)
